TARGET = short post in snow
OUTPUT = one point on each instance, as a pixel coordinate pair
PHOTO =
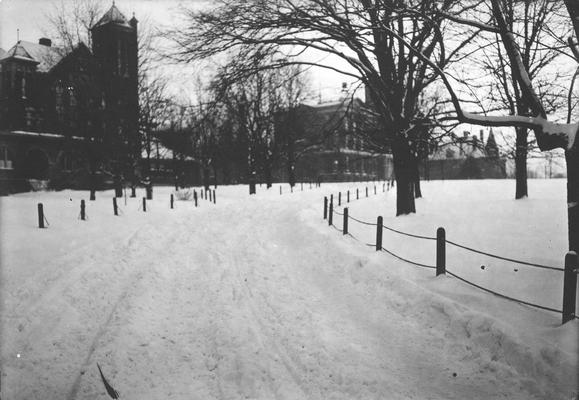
(82, 210)
(440, 251)
(374, 189)
(339, 198)
(357, 194)
(348, 196)
(570, 286)
(332, 199)
(195, 197)
(201, 191)
(383, 188)
(40, 215)
(214, 199)
(144, 204)
(331, 213)
(302, 186)
(345, 224)
(279, 189)
(366, 191)
(210, 198)
(172, 200)
(115, 206)
(291, 189)
(379, 226)
(325, 207)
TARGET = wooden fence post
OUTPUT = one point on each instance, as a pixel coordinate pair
(82, 210)
(195, 197)
(214, 199)
(172, 199)
(302, 186)
(279, 189)
(366, 191)
(331, 214)
(570, 286)
(40, 215)
(374, 189)
(332, 199)
(325, 207)
(115, 206)
(348, 196)
(383, 188)
(210, 198)
(339, 198)
(440, 251)
(144, 204)
(345, 224)
(357, 194)
(379, 233)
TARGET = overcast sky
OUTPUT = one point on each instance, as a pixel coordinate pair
(30, 17)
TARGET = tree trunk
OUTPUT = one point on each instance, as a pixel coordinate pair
(291, 175)
(206, 182)
(118, 186)
(252, 182)
(572, 159)
(404, 170)
(521, 163)
(417, 190)
(268, 173)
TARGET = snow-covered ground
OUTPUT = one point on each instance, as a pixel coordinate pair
(257, 298)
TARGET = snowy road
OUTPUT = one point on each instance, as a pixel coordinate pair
(246, 301)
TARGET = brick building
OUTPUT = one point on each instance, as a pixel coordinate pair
(64, 115)
(336, 143)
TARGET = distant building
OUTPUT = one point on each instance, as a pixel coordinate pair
(333, 143)
(64, 113)
(465, 157)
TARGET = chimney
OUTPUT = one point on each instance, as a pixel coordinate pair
(482, 136)
(45, 42)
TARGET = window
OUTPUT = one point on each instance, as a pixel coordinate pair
(5, 158)
(66, 162)
(71, 96)
(59, 103)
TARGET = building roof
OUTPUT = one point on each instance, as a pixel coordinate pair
(114, 16)
(45, 56)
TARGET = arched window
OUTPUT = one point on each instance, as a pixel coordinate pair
(66, 162)
(5, 158)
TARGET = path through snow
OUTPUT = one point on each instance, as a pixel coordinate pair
(251, 299)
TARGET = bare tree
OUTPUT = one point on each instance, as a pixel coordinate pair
(70, 22)
(255, 98)
(550, 135)
(536, 27)
(369, 36)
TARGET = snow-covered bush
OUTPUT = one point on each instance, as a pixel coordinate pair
(183, 195)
